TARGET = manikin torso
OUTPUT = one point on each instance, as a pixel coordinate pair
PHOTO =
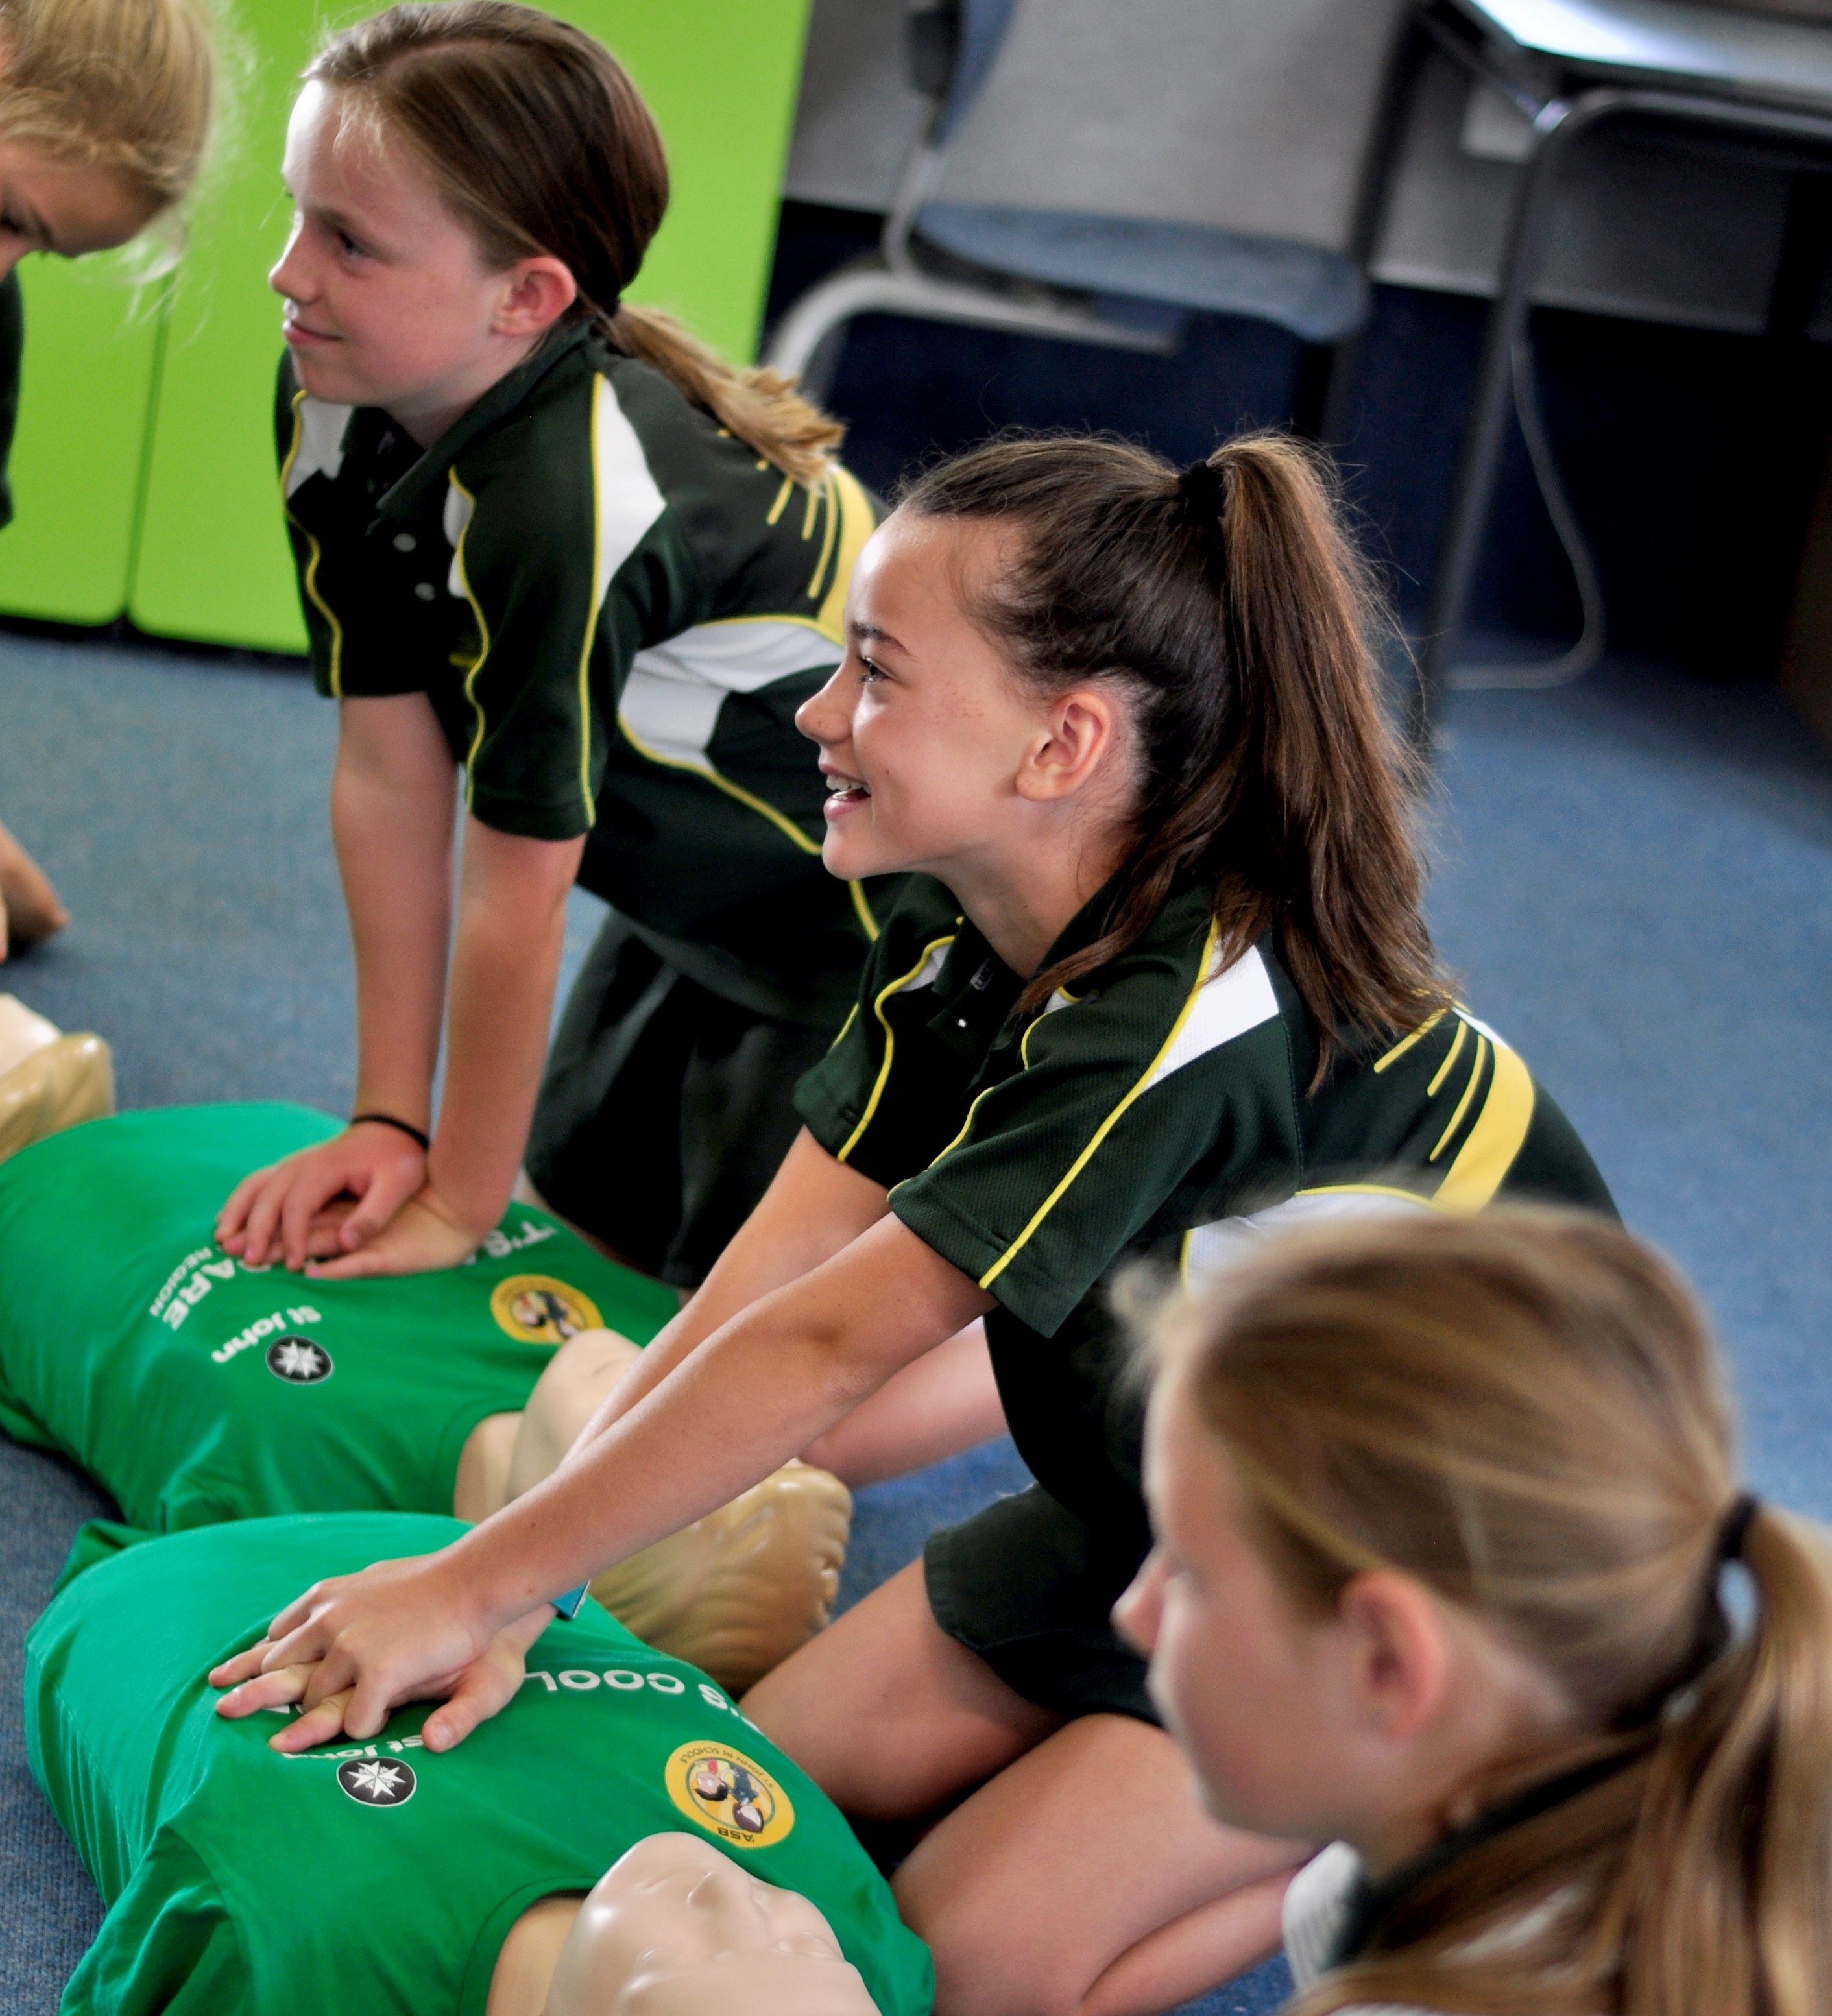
(675, 1928)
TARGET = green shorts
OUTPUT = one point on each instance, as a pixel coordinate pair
(665, 1110)
(1030, 1587)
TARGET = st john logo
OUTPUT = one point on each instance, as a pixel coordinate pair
(299, 1360)
(377, 1781)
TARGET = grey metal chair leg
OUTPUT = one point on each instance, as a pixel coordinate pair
(874, 289)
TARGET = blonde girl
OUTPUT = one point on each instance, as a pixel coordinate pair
(105, 111)
(1445, 1515)
(1158, 982)
(553, 551)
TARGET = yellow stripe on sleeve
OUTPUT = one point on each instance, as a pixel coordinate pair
(857, 521)
(1405, 1043)
(1450, 1055)
(1483, 1161)
(1112, 1120)
(1456, 1118)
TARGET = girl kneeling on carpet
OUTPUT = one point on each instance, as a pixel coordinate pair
(105, 111)
(1161, 969)
(549, 546)
(1444, 1512)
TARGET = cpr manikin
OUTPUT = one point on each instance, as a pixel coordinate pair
(676, 1928)
(734, 1593)
(48, 1080)
(197, 1390)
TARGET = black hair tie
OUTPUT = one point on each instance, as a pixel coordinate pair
(1734, 1528)
(1204, 489)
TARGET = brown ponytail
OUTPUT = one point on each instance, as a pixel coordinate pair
(1524, 1410)
(537, 138)
(1236, 610)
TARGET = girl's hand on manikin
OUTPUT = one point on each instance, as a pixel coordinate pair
(324, 1200)
(427, 1233)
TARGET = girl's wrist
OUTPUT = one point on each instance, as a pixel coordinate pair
(474, 1208)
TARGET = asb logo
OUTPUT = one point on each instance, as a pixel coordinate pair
(299, 1360)
(374, 1781)
(535, 1308)
(729, 1794)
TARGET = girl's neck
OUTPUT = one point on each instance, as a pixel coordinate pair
(1022, 907)
(426, 416)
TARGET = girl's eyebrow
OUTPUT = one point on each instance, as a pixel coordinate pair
(873, 633)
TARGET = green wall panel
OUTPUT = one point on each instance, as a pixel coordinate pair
(212, 564)
(91, 344)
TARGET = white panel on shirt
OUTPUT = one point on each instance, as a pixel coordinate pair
(1315, 1907)
(1212, 1249)
(320, 442)
(459, 507)
(930, 971)
(672, 698)
(1230, 1002)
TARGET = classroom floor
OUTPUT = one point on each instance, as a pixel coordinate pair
(1634, 878)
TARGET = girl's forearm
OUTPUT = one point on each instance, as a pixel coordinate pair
(725, 1415)
(814, 1208)
(392, 803)
(511, 927)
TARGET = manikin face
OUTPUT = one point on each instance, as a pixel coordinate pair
(67, 207)
(923, 727)
(677, 1929)
(389, 301)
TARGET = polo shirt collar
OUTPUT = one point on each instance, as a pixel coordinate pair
(409, 495)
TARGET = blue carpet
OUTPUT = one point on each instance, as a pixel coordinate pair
(1634, 877)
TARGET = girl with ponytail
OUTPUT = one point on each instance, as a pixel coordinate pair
(550, 545)
(1445, 1514)
(1157, 983)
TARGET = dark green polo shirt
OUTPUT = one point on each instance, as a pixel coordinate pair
(615, 608)
(13, 338)
(1164, 1113)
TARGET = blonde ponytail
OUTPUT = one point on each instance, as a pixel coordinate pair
(126, 85)
(1524, 1410)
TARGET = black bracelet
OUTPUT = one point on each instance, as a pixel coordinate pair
(388, 1120)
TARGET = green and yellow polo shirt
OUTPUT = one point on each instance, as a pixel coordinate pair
(615, 608)
(1163, 1112)
(380, 1879)
(12, 340)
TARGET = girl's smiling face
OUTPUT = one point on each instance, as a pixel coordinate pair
(389, 301)
(938, 757)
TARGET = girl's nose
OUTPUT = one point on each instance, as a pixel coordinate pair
(823, 717)
(288, 276)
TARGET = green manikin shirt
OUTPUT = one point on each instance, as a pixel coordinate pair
(615, 608)
(1160, 1113)
(12, 337)
(378, 1879)
(197, 1389)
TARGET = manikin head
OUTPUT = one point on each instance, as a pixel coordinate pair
(677, 1929)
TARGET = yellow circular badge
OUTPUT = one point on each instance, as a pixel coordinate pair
(728, 1794)
(535, 1308)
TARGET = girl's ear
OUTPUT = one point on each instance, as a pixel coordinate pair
(1082, 731)
(536, 292)
(1399, 1657)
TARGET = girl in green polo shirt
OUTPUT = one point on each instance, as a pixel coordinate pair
(550, 548)
(104, 112)
(1159, 983)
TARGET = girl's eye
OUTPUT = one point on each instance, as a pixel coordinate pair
(872, 672)
(10, 226)
(346, 244)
